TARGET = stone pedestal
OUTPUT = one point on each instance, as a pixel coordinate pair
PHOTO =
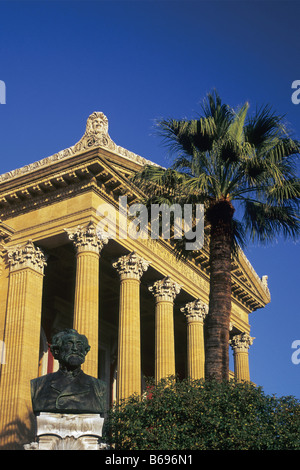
(57, 431)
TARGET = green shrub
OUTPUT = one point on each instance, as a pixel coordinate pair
(204, 415)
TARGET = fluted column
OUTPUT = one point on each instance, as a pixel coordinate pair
(164, 292)
(88, 243)
(22, 332)
(240, 345)
(130, 268)
(195, 313)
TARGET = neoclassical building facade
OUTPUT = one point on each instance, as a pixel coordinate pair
(142, 310)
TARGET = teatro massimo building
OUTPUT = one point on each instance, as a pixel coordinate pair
(142, 310)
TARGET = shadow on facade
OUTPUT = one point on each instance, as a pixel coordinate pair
(19, 432)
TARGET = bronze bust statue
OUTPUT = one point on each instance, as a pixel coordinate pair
(69, 390)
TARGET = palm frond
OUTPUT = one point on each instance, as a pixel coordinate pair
(279, 149)
(157, 180)
(202, 185)
(264, 222)
(236, 128)
(221, 113)
(187, 136)
(263, 126)
(238, 236)
(230, 151)
(287, 190)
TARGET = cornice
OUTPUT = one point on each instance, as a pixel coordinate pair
(62, 182)
(5, 232)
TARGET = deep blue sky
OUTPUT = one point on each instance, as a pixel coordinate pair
(141, 60)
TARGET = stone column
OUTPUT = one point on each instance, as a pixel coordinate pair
(164, 292)
(130, 268)
(22, 332)
(88, 243)
(240, 345)
(195, 313)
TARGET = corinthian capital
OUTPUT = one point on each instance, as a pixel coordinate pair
(87, 238)
(195, 311)
(241, 342)
(27, 256)
(131, 266)
(165, 290)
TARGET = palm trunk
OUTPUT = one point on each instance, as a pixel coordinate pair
(218, 318)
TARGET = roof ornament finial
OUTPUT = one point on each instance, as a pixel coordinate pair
(96, 133)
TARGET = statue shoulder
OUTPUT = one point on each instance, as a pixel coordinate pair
(101, 385)
(38, 384)
(37, 381)
(98, 384)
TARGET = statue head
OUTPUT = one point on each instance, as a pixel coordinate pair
(69, 348)
(68, 390)
(97, 123)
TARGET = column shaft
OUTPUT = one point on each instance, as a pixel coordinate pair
(129, 344)
(88, 242)
(164, 292)
(164, 341)
(240, 344)
(86, 307)
(196, 355)
(130, 268)
(195, 313)
(241, 366)
(21, 338)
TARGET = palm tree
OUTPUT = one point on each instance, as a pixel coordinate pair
(243, 169)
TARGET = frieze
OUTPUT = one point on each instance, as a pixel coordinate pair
(191, 272)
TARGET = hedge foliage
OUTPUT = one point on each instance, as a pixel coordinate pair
(204, 415)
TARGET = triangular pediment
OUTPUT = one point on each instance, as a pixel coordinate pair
(96, 136)
(96, 161)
